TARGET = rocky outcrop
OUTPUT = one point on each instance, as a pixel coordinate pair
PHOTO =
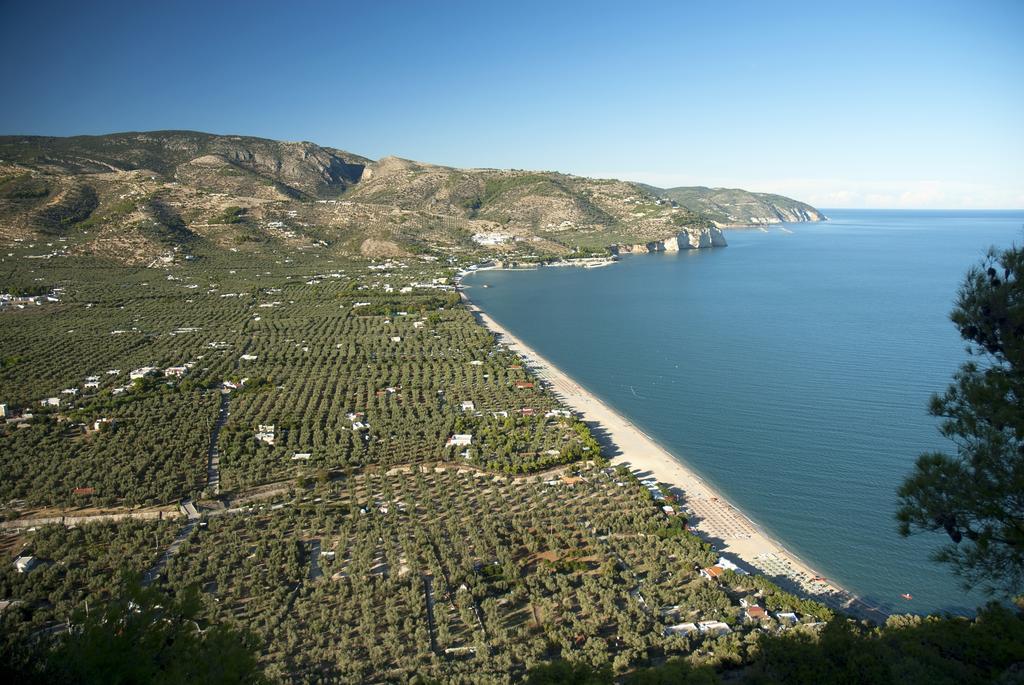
(797, 213)
(698, 238)
(695, 238)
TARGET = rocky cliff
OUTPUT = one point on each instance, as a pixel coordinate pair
(688, 239)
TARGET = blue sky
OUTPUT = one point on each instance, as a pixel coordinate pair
(890, 104)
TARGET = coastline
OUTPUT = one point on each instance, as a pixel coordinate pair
(736, 537)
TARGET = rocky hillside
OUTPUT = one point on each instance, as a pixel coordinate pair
(735, 207)
(165, 195)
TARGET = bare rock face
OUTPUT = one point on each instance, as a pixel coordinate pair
(797, 214)
(698, 238)
(695, 238)
(304, 166)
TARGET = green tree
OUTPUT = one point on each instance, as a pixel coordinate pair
(977, 496)
(146, 637)
(568, 673)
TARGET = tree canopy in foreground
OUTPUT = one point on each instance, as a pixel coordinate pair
(142, 636)
(977, 496)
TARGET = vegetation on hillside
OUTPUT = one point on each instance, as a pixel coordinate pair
(131, 197)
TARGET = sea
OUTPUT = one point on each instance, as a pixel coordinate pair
(792, 370)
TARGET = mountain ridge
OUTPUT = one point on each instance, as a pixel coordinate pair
(133, 196)
(735, 207)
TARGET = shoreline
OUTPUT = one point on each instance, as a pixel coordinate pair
(735, 535)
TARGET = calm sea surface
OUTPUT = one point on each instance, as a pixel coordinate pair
(791, 369)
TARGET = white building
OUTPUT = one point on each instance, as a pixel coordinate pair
(714, 628)
(461, 439)
(142, 372)
(25, 564)
(680, 629)
(265, 433)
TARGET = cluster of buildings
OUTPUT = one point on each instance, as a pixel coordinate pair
(93, 383)
(702, 627)
(266, 433)
(720, 567)
(21, 301)
(358, 420)
(492, 239)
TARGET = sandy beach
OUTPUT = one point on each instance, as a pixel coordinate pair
(737, 538)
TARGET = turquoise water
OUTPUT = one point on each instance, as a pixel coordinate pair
(791, 370)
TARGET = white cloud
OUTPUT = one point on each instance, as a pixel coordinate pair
(837, 192)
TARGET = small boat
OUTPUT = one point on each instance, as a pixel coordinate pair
(907, 595)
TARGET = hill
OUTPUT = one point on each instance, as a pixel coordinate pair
(140, 197)
(735, 207)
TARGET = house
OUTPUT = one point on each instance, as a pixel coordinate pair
(468, 406)
(92, 384)
(99, 423)
(302, 456)
(25, 564)
(668, 510)
(176, 371)
(786, 617)
(714, 628)
(396, 338)
(755, 613)
(3, 411)
(712, 572)
(142, 372)
(461, 439)
(524, 385)
(50, 402)
(526, 411)
(680, 629)
(189, 509)
(265, 433)
(248, 357)
(729, 566)
(83, 492)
